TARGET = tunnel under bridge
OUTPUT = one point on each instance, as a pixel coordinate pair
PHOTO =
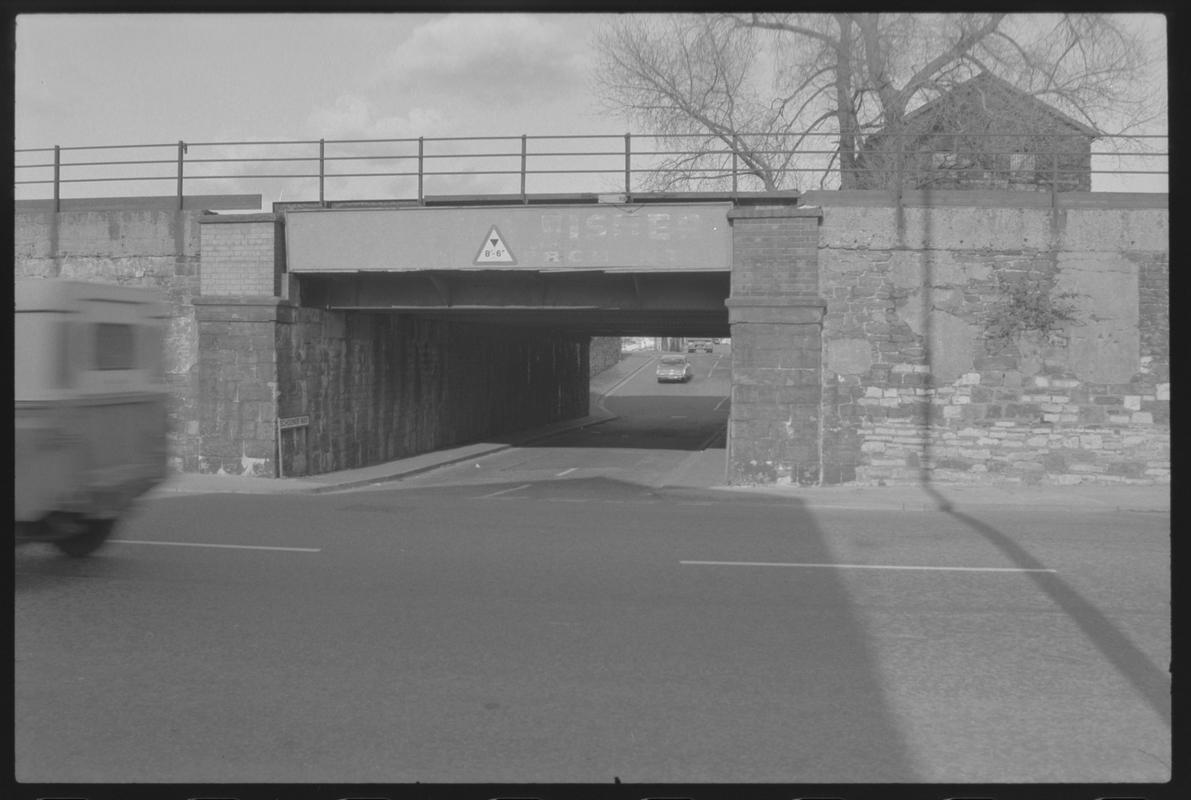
(383, 330)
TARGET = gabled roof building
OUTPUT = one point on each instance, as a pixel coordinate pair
(984, 133)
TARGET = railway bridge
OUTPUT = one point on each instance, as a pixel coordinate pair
(409, 327)
(331, 335)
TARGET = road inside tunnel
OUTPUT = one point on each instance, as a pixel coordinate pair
(662, 434)
(535, 307)
(688, 416)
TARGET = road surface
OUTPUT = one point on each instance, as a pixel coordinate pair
(587, 610)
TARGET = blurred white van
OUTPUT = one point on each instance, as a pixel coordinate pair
(91, 407)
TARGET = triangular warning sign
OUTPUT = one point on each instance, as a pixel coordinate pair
(493, 250)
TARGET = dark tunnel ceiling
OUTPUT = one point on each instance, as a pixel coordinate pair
(591, 303)
(593, 322)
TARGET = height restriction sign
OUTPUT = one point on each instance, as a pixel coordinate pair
(493, 250)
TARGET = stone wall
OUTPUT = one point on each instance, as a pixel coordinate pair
(909, 387)
(604, 352)
(914, 389)
(237, 390)
(151, 247)
(378, 387)
(375, 387)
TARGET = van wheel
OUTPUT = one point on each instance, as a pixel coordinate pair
(94, 533)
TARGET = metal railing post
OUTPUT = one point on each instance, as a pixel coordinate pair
(322, 172)
(421, 153)
(524, 199)
(628, 166)
(57, 179)
(181, 150)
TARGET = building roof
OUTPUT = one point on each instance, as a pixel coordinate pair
(987, 80)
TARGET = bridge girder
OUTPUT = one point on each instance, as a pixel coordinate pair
(587, 303)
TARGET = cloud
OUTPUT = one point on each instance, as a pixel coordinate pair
(354, 116)
(471, 75)
(491, 58)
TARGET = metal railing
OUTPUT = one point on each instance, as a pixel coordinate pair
(625, 164)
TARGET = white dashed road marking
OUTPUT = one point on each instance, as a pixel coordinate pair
(506, 491)
(222, 546)
(859, 566)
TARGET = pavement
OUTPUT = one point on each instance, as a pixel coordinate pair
(1153, 498)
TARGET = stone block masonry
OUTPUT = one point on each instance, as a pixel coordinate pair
(604, 353)
(913, 388)
(238, 385)
(899, 451)
(376, 387)
(152, 247)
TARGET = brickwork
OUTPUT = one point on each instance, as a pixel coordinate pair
(913, 389)
(241, 255)
(1154, 317)
(775, 251)
(776, 318)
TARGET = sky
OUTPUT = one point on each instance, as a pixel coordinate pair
(117, 79)
(87, 80)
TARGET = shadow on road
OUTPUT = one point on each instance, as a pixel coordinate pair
(687, 423)
(701, 672)
(604, 656)
(1150, 681)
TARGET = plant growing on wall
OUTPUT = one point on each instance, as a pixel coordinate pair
(1028, 306)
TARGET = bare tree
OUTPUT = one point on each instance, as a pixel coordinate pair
(783, 95)
(692, 80)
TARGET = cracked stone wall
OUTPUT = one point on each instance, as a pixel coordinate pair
(913, 388)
